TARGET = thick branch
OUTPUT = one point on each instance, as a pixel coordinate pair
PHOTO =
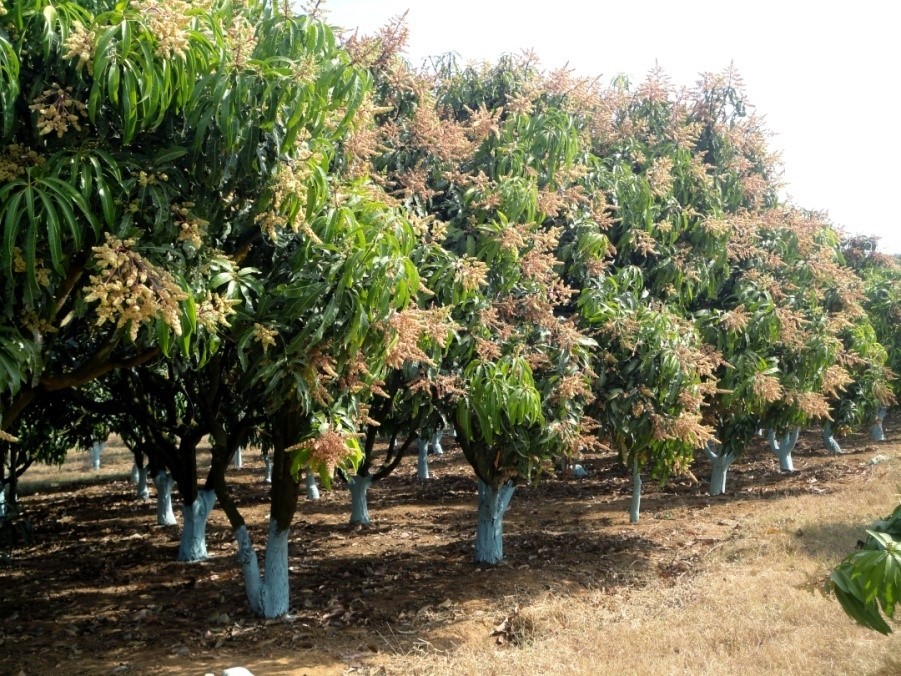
(95, 367)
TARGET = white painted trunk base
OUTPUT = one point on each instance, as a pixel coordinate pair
(192, 546)
(135, 474)
(720, 464)
(267, 469)
(268, 594)
(164, 515)
(3, 507)
(238, 459)
(312, 488)
(359, 502)
(493, 504)
(877, 433)
(422, 459)
(96, 450)
(830, 441)
(143, 490)
(435, 442)
(783, 448)
(635, 506)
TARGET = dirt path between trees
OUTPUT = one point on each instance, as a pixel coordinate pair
(98, 590)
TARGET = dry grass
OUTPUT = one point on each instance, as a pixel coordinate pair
(700, 585)
(116, 462)
(749, 605)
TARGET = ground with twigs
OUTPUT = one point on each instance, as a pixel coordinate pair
(728, 583)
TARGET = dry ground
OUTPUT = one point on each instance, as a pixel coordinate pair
(701, 584)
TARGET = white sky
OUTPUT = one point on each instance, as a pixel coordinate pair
(824, 75)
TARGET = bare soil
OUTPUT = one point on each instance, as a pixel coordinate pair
(97, 590)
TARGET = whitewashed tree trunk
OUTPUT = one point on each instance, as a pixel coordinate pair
(267, 469)
(422, 459)
(268, 594)
(96, 450)
(3, 507)
(164, 514)
(192, 546)
(493, 504)
(312, 488)
(143, 490)
(135, 474)
(635, 506)
(238, 459)
(359, 502)
(435, 442)
(783, 448)
(877, 432)
(720, 463)
(830, 441)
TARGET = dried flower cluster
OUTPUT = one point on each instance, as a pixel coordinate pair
(289, 189)
(130, 291)
(471, 273)
(242, 41)
(215, 311)
(169, 22)
(57, 110)
(812, 404)
(264, 335)
(191, 228)
(328, 449)
(406, 330)
(15, 160)
(80, 45)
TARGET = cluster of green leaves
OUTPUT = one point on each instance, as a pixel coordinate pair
(868, 582)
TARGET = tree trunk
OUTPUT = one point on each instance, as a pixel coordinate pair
(237, 459)
(435, 442)
(135, 474)
(96, 450)
(2, 501)
(829, 440)
(143, 492)
(312, 489)
(359, 505)
(877, 433)
(720, 463)
(268, 594)
(12, 493)
(635, 507)
(493, 504)
(164, 514)
(193, 535)
(422, 460)
(784, 448)
(267, 469)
